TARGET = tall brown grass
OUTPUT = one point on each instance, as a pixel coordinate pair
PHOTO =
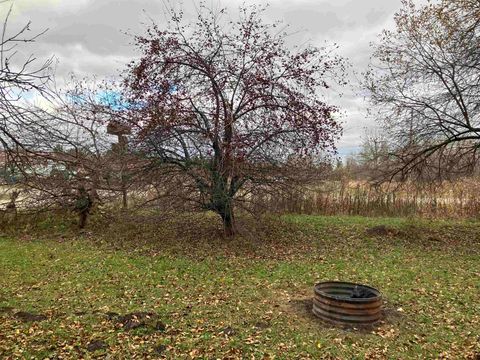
(459, 199)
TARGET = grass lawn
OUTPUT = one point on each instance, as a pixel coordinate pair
(155, 290)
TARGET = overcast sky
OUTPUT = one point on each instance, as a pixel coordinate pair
(88, 36)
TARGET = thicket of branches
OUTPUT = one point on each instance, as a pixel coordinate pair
(220, 114)
(229, 107)
(425, 81)
(213, 113)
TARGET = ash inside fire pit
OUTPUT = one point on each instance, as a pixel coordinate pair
(362, 292)
(345, 303)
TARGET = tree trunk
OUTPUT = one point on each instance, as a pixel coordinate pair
(124, 198)
(228, 222)
(82, 219)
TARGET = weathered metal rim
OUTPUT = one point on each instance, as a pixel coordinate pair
(328, 284)
(346, 320)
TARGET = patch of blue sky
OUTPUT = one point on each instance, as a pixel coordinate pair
(110, 98)
(113, 99)
(27, 95)
(76, 99)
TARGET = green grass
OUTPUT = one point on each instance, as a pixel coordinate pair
(242, 298)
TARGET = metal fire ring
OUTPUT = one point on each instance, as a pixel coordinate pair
(341, 303)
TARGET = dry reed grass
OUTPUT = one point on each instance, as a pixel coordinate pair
(455, 200)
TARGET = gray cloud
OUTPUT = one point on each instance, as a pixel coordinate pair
(88, 36)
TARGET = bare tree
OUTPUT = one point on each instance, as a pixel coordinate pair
(226, 104)
(17, 78)
(374, 156)
(425, 81)
(68, 159)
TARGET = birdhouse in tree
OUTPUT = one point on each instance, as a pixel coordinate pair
(118, 129)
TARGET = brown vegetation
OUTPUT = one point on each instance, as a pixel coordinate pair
(457, 199)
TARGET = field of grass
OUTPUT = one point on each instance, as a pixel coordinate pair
(157, 289)
(448, 200)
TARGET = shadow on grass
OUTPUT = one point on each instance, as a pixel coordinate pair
(200, 235)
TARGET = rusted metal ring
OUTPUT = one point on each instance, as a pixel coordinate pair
(333, 302)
